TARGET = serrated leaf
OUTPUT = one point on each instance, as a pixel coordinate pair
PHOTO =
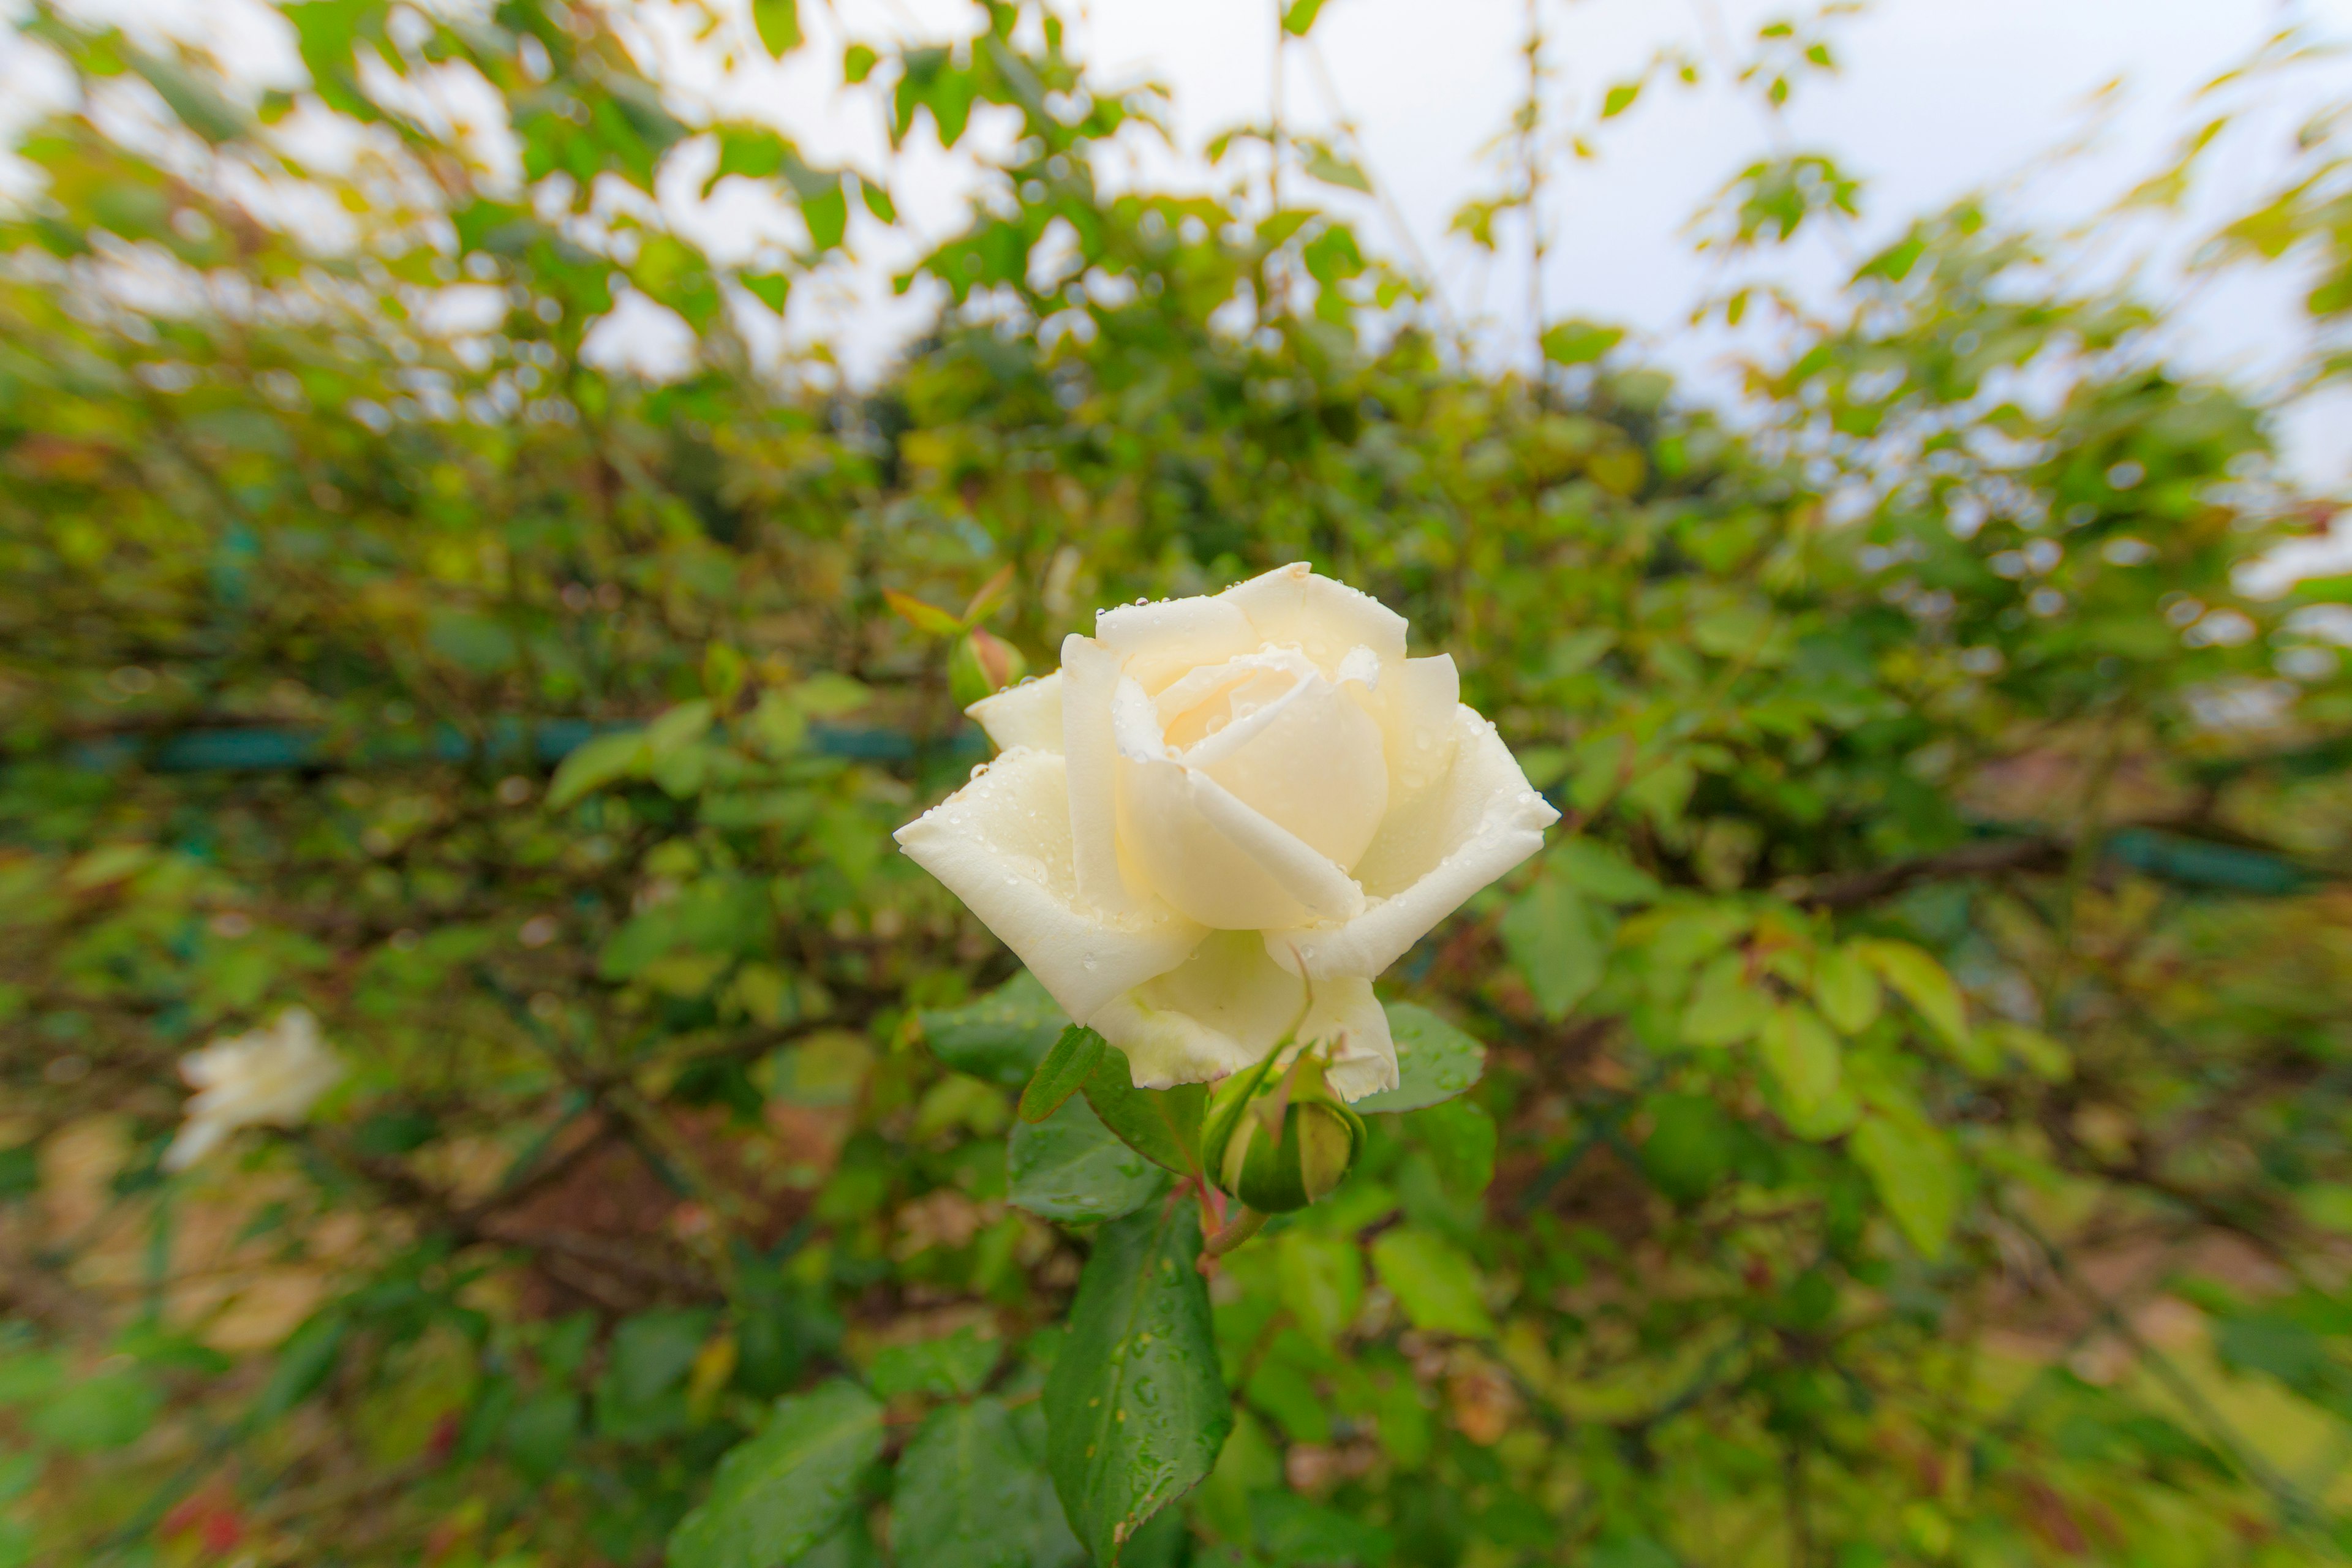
(971, 1492)
(778, 1494)
(1845, 990)
(1001, 1038)
(1073, 1169)
(1067, 1065)
(1134, 1409)
(1803, 1059)
(1919, 980)
(947, 1367)
(1163, 1125)
(1725, 1007)
(1555, 939)
(1917, 1177)
(1599, 872)
(1432, 1281)
(1436, 1061)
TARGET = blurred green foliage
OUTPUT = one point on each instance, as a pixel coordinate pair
(1914, 1122)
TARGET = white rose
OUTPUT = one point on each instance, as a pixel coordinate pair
(1219, 799)
(271, 1077)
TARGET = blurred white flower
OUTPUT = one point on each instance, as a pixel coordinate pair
(270, 1078)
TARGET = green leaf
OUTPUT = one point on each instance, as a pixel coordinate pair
(1726, 1007)
(595, 764)
(1334, 170)
(857, 63)
(1579, 342)
(303, 1362)
(971, 1492)
(1003, 1036)
(1432, 1281)
(923, 618)
(1601, 873)
(1071, 1168)
(1436, 1061)
(1688, 1151)
(1322, 1280)
(1555, 941)
(771, 288)
(1299, 16)
(1460, 1139)
(110, 1410)
(778, 24)
(780, 1493)
(1919, 980)
(827, 216)
(1917, 1174)
(1163, 1125)
(1845, 990)
(1134, 1409)
(951, 1365)
(1072, 1060)
(1804, 1060)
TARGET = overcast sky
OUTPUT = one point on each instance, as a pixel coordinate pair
(1936, 99)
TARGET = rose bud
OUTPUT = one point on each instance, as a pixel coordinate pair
(982, 665)
(1280, 1141)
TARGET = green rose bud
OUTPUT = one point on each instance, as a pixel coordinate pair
(1280, 1141)
(982, 665)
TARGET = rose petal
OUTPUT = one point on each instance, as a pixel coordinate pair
(1089, 674)
(1417, 707)
(1466, 829)
(1311, 762)
(1029, 714)
(1205, 852)
(1156, 643)
(1003, 844)
(1228, 1005)
(1292, 607)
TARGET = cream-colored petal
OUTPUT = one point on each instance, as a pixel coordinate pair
(1228, 1005)
(1089, 676)
(1158, 643)
(1463, 832)
(1311, 762)
(1293, 607)
(1029, 714)
(1418, 699)
(1003, 844)
(1206, 853)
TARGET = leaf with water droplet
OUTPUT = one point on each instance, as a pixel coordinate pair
(1072, 1168)
(1064, 1071)
(778, 1494)
(1134, 1409)
(971, 1492)
(1436, 1061)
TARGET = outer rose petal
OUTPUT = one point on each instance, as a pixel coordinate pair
(1419, 696)
(1029, 714)
(1466, 829)
(1156, 643)
(1003, 845)
(1226, 1006)
(1291, 606)
(1089, 674)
